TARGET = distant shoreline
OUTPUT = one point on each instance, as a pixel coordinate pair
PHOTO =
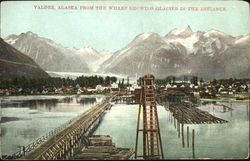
(224, 100)
(8, 119)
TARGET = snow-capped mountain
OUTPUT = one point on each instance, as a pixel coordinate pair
(48, 54)
(211, 54)
(14, 64)
(243, 40)
(182, 33)
(199, 42)
(148, 52)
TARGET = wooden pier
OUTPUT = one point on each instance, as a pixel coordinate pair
(125, 99)
(64, 143)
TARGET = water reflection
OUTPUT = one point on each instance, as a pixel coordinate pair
(86, 101)
(27, 133)
(213, 137)
(49, 103)
(3, 131)
(218, 141)
(37, 115)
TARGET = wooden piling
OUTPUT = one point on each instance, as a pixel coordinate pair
(182, 117)
(187, 136)
(178, 124)
(72, 147)
(247, 109)
(23, 150)
(213, 109)
(182, 135)
(174, 123)
(193, 136)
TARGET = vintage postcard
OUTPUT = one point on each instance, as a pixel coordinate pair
(153, 79)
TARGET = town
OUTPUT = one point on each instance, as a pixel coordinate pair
(231, 88)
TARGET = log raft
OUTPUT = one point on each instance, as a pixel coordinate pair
(193, 115)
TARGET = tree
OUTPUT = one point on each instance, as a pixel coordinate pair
(122, 85)
(139, 81)
(194, 80)
(113, 79)
(201, 80)
(173, 79)
(127, 81)
(107, 80)
(214, 82)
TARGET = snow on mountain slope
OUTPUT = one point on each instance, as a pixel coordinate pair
(183, 33)
(48, 54)
(243, 40)
(11, 39)
(187, 42)
(148, 52)
(181, 51)
(14, 64)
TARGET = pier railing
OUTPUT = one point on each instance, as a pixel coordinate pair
(38, 141)
(26, 149)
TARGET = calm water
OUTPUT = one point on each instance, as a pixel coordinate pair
(26, 118)
(218, 141)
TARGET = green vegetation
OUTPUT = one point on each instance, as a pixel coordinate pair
(83, 81)
(24, 86)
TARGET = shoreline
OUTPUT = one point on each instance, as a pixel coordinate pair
(224, 100)
(8, 119)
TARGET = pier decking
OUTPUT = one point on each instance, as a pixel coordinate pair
(64, 143)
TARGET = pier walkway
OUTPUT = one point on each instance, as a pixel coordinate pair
(64, 143)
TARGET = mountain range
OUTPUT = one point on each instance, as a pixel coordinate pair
(211, 54)
(15, 64)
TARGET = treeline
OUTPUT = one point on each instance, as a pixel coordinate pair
(83, 81)
(172, 80)
(195, 80)
(230, 81)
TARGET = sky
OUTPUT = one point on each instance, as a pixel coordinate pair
(113, 29)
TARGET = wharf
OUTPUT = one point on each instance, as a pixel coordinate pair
(65, 142)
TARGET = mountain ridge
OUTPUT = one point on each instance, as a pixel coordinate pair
(15, 64)
(184, 52)
(179, 52)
